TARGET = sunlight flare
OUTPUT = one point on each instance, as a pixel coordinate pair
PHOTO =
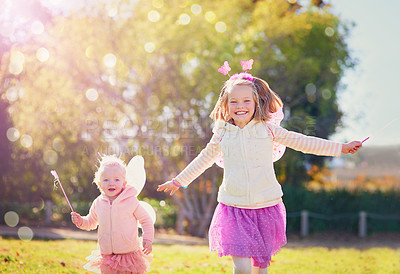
(42, 54)
(110, 60)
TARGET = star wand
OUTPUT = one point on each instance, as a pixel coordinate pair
(57, 180)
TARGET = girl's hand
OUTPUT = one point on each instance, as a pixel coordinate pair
(168, 186)
(147, 247)
(76, 219)
(351, 147)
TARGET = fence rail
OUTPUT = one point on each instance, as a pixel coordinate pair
(362, 216)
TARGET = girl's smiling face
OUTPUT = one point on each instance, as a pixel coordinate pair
(241, 105)
(112, 180)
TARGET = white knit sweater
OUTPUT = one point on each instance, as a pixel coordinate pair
(249, 178)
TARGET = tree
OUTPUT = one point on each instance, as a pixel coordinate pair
(141, 78)
(303, 54)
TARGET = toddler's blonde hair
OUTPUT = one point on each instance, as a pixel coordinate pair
(104, 161)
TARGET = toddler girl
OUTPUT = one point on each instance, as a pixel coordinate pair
(116, 212)
(249, 223)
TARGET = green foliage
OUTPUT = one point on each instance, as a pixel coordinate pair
(345, 206)
(165, 212)
(141, 78)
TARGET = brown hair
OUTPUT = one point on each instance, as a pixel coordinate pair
(266, 100)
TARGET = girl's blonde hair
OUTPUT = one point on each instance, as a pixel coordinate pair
(104, 161)
(266, 100)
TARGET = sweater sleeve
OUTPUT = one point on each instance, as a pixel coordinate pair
(204, 160)
(305, 144)
(146, 222)
(89, 222)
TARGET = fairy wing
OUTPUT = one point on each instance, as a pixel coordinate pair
(135, 173)
(277, 149)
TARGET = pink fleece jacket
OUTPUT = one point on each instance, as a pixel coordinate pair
(118, 222)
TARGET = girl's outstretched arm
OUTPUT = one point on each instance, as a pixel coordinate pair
(351, 147)
(168, 186)
(204, 160)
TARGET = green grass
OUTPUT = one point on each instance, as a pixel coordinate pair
(68, 256)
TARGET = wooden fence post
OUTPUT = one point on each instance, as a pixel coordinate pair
(362, 224)
(49, 206)
(304, 223)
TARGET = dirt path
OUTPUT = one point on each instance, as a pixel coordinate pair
(326, 239)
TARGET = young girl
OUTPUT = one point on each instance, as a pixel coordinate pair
(249, 223)
(117, 211)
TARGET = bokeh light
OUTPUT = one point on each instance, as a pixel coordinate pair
(50, 157)
(153, 16)
(26, 141)
(196, 9)
(326, 94)
(89, 52)
(92, 94)
(42, 54)
(17, 57)
(311, 90)
(12, 94)
(184, 19)
(220, 26)
(15, 68)
(112, 11)
(110, 60)
(334, 70)
(149, 47)
(37, 27)
(58, 144)
(112, 79)
(329, 31)
(11, 219)
(162, 203)
(210, 16)
(16, 65)
(12, 134)
(25, 233)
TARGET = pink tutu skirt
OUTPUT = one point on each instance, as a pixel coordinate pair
(134, 262)
(253, 233)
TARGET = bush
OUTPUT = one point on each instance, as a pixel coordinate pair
(343, 206)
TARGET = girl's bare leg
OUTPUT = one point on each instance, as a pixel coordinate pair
(241, 265)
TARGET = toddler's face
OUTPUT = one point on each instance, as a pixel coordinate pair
(112, 181)
(241, 105)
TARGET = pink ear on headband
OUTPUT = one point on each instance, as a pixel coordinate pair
(225, 68)
(246, 65)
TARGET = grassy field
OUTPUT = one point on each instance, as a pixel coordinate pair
(68, 256)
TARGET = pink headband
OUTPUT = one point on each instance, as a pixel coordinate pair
(243, 75)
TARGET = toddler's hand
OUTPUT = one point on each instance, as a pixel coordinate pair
(76, 219)
(147, 247)
(351, 147)
(168, 186)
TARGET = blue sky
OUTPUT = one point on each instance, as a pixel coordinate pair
(371, 96)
